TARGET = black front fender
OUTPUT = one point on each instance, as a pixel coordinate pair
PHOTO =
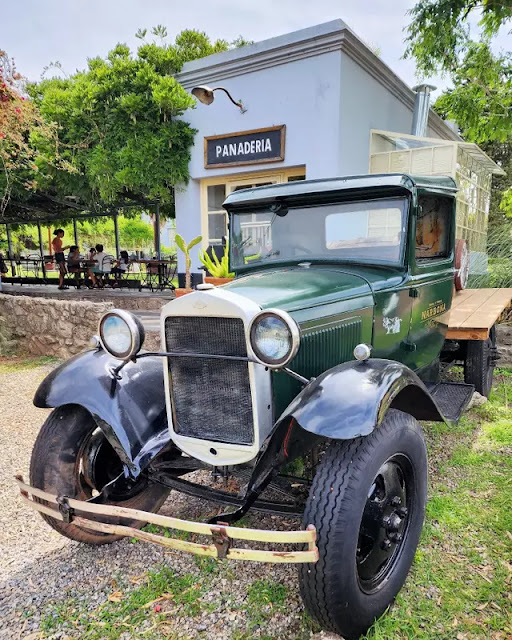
(131, 411)
(350, 400)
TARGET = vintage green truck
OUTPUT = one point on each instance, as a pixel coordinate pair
(304, 378)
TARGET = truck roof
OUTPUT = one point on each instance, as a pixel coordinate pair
(346, 183)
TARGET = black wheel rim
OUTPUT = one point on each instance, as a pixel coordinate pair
(97, 464)
(385, 522)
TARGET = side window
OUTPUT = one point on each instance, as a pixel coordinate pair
(433, 227)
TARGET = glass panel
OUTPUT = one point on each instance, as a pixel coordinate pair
(216, 196)
(216, 226)
(239, 187)
(372, 231)
(432, 227)
(295, 178)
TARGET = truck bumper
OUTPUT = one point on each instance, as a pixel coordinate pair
(96, 517)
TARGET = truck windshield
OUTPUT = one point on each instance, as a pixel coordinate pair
(367, 231)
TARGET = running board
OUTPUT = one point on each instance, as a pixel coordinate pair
(452, 398)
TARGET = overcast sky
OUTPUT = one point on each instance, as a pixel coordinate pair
(37, 32)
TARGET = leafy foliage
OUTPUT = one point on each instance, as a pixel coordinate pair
(481, 99)
(218, 268)
(438, 35)
(118, 122)
(19, 121)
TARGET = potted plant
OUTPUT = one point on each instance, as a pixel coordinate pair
(180, 243)
(219, 269)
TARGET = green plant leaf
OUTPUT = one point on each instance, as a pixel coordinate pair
(180, 243)
(195, 241)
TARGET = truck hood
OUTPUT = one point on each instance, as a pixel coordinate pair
(294, 288)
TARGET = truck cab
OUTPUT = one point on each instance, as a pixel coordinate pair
(361, 259)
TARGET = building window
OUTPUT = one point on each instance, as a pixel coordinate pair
(215, 191)
(217, 219)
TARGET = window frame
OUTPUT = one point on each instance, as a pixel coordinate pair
(231, 181)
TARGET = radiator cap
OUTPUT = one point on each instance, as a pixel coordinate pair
(205, 286)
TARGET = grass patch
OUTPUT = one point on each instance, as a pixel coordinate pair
(15, 364)
(461, 583)
(140, 611)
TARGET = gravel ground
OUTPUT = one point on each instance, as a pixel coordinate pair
(41, 571)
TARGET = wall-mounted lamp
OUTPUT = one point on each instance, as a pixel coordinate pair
(205, 95)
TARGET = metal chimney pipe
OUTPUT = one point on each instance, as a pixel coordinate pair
(421, 107)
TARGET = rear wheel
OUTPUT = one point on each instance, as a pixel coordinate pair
(72, 457)
(367, 502)
(481, 356)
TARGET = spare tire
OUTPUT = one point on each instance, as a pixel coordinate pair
(461, 264)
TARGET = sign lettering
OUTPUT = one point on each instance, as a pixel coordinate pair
(247, 147)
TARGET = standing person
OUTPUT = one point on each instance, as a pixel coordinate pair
(59, 255)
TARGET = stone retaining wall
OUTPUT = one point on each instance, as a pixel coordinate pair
(43, 326)
(504, 340)
(120, 299)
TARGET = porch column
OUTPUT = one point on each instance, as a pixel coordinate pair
(116, 233)
(157, 231)
(75, 231)
(10, 249)
(41, 247)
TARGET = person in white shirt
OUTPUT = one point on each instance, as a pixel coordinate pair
(99, 267)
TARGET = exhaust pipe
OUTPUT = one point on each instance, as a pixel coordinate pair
(421, 107)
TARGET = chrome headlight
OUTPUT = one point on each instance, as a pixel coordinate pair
(121, 334)
(274, 338)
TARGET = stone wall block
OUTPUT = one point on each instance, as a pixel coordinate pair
(47, 326)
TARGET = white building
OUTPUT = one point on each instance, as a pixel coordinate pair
(312, 99)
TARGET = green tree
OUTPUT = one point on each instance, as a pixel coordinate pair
(438, 34)
(19, 121)
(118, 122)
(480, 100)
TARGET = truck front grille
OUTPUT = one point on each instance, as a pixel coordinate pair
(211, 398)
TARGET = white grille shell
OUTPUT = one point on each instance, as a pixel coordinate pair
(224, 304)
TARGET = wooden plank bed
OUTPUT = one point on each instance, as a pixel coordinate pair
(474, 311)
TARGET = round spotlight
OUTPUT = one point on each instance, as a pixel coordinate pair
(274, 337)
(121, 334)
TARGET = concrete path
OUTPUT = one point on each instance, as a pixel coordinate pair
(150, 319)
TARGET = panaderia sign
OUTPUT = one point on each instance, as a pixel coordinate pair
(245, 147)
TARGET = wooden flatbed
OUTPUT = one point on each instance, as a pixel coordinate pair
(474, 311)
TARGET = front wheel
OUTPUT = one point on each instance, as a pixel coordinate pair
(72, 457)
(367, 502)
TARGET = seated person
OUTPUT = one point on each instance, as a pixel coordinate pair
(121, 266)
(73, 259)
(74, 263)
(97, 270)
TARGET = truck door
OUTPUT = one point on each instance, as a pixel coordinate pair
(431, 281)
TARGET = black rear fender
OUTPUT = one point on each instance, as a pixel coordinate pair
(130, 411)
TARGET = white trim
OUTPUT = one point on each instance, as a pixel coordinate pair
(306, 43)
